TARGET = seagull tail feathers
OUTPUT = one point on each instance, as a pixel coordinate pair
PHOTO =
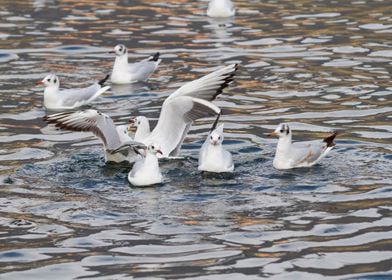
(330, 138)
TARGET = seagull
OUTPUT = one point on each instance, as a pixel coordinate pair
(142, 127)
(220, 9)
(299, 154)
(213, 157)
(188, 103)
(145, 171)
(101, 125)
(124, 73)
(56, 99)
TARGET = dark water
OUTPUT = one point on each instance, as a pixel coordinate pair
(320, 65)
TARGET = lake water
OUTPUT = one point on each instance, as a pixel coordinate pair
(319, 65)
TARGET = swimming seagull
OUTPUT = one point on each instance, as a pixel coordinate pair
(299, 154)
(56, 99)
(220, 8)
(145, 171)
(124, 73)
(187, 104)
(101, 125)
(213, 157)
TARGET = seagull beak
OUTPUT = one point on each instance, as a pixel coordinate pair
(39, 82)
(111, 52)
(214, 142)
(272, 134)
(159, 152)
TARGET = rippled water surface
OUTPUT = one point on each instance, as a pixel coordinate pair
(320, 65)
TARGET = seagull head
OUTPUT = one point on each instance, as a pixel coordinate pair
(283, 130)
(50, 81)
(216, 136)
(136, 122)
(154, 149)
(119, 50)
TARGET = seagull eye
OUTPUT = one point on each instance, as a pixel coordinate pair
(54, 80)
(138, 123)
(281, 131)
(211, 137)
(48, 80)
(219, 138)
(152, 147)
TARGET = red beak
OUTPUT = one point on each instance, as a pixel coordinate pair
(39, 83)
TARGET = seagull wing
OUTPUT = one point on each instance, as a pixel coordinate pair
(72, 98)
(228, 160)
(141, 71)
(89, 120)
(176, 114)
(307, 153)
(208, 87)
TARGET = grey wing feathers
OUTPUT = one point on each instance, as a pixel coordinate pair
(79, 96)
(307, 152)
(210, 86)
(228, 159)
(89, 120)
(141, 71)
(200, 109)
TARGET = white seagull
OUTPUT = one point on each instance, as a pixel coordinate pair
(213, 157)
(299, 154)
(101, 125)
(145, 171)
(187, 104)
(56, 99)
(124, 73)
(142, 127)
(220, 9)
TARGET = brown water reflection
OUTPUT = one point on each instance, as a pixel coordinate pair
(321, 65)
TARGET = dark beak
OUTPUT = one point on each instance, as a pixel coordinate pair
(111, 52)
(159, 152)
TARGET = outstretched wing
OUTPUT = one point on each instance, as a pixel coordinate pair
(209, 86)
(176, 116)
(89, 120)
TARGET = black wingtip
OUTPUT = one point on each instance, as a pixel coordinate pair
(102, 82)
(214, 125)
(155, 57)
(330, 138)
(228, 79)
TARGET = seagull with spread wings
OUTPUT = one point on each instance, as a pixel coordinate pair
(190, 102)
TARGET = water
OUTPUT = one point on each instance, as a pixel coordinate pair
(320, 65)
